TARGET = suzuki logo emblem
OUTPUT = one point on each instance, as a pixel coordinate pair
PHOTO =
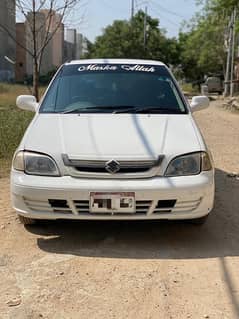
(112, 166)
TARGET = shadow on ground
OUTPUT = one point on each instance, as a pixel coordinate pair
(219, 237)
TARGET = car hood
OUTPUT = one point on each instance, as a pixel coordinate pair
(108, 136)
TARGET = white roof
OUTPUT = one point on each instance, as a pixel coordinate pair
(115, 61)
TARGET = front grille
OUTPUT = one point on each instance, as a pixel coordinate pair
(100, 166)
(124, 167)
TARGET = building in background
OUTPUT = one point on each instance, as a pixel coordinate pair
(20, 70)
(57, 47)
(65, 45)
(81, 46)
(75, 45)
(7, 45)
(70, 45)
(52, 57)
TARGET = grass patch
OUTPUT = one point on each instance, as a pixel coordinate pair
(3, 89)
(13, 123)
(13, 126)
(9, 93)
(189, 89)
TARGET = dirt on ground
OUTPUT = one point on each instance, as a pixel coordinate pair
(133, 269)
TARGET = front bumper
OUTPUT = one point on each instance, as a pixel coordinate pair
(194, 196)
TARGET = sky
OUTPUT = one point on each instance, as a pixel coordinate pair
(97, 14)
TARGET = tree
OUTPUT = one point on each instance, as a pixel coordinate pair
(205, 42)
(222, 5)
(202, 46)
(125, 39)
(39, 15)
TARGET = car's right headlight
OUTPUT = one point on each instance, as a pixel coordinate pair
(35, 164)
(189, 164)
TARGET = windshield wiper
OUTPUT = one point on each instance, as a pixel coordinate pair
(115, 108)
(149, 109)
(79, 109)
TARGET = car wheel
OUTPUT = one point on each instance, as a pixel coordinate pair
(199, 221)
(26, 220)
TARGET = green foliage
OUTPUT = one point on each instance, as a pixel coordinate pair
(223, 8)
(44, 79)
(188, 89)
(125, 39)
(221, 5)
(202, 47)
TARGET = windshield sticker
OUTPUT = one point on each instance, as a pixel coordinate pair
(110, 67)
(98, 67)
(137, 67)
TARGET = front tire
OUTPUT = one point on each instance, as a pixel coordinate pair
(26, 221)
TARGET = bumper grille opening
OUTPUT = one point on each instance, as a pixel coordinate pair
(165, 206)
(82, 206)
(142, 206)
(174, 206)
(60, 206)
(187, 205)
(102, 170)
(59, 203)
(166, 203)
(48, 205)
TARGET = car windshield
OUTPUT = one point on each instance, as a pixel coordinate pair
(109, 88)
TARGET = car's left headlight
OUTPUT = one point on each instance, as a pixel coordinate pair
(35, 164)
(189, 164)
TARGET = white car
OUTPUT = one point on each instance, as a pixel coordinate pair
(112, 140)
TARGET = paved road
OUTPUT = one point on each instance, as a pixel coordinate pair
(129, 270)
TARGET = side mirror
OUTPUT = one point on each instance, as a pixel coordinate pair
(199, 103)
(27, 102)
